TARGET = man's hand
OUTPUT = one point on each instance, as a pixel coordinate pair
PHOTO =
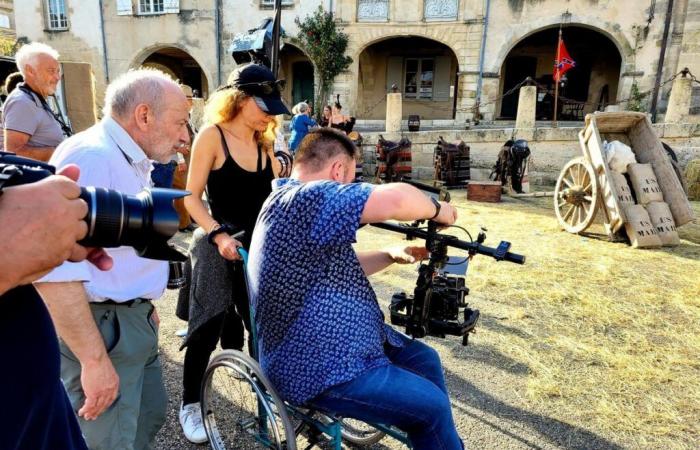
(448, 214)
(182, 167)
(408, 255)
(100, 384)
(43, 221)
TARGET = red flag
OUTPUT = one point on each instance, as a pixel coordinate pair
(563, 61)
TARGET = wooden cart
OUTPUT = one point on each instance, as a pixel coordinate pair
(584, 183)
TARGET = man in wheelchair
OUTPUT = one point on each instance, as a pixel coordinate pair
(321, 333)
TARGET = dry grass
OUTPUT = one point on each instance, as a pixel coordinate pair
(609, 335)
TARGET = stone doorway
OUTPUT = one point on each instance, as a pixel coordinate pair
(588, 87)
(423, 70)
(181, 66)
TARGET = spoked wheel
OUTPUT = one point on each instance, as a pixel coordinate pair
(241, 408)
(359, 433)
(576, 196)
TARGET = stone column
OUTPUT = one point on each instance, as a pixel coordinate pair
(394, 112)
(527, 102)
(679, 101)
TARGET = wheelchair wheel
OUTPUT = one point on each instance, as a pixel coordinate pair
(241, 408)
(359, 433)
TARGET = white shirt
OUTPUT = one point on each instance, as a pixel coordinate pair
(98, 153)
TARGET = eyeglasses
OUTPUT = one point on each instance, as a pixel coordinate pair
(258, 88)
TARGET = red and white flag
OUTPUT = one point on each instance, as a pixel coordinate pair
(563, 61)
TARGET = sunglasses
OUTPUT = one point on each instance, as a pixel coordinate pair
(258, 88)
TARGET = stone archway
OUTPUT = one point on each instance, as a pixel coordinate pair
(588, 87)
(424, 70)
(176, 62)
(299, 72)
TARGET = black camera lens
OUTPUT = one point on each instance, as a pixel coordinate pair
(144, 221)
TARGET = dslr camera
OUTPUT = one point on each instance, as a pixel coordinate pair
(437, 306)
(145, 221)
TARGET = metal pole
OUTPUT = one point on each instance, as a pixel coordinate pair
(105, 59)
(660, 67)
(276, 38)
(217, 36)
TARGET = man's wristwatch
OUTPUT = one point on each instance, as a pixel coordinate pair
(437, 208)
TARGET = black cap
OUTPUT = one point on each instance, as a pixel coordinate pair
(269, 100)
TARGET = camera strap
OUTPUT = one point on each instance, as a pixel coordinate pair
(67, 131)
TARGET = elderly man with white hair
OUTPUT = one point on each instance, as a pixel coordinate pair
(106, 321)
(31, 129)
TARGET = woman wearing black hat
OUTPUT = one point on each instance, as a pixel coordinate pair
(233, 158)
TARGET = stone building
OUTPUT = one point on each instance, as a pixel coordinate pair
(7, 19)
(445, 56)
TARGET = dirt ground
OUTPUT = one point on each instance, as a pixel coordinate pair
(584, 347)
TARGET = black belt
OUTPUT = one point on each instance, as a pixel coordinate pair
(126, 303)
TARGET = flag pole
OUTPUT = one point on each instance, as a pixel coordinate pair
(557, 71)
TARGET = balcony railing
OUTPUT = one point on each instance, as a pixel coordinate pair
(372, 10)
(441, 10)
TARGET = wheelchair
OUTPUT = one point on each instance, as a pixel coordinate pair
(241, 410)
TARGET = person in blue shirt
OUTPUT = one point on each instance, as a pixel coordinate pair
(300, 124)
(321, 333)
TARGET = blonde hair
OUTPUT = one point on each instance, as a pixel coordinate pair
(225, 104)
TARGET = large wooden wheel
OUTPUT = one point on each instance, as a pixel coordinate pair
(576, 196)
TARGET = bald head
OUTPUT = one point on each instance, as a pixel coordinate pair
(140, 87)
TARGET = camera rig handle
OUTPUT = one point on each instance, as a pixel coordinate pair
(434, 240)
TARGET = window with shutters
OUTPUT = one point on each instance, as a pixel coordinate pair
(418, 78)
(56, 17)
(148, 7)
(151, 6)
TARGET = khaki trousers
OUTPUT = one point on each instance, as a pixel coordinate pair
(131, 339)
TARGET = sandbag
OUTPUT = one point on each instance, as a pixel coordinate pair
(640, 230)
(618, 156)
(646, 187)
(692, 176)
(624, 194)
(662, 219)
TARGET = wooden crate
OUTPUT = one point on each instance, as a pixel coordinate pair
(484, 191)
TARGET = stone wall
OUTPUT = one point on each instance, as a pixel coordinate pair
(551, 148)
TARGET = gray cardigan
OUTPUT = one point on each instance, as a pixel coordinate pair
(210, 285)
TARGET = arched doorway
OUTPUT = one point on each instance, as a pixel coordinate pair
(296, 68)
(181, 66)
(424, 70)
(588, 87)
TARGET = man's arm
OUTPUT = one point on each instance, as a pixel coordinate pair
(403, 202)
(378, 260)
(16, 141)
(68, 305)
(41, 222)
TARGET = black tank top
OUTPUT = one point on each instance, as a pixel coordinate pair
(235, 194)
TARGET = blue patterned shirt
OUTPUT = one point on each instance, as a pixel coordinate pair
(318, 320)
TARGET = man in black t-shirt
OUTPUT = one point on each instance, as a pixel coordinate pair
(41, 223)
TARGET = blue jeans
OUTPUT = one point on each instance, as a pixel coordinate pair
(409, 394)
(163, 174)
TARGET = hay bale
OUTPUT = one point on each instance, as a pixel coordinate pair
(692, 176)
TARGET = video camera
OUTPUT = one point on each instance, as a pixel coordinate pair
(254, 45)
(145, 221)
(437, 307)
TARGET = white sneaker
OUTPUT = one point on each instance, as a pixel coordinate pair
(191, 423)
